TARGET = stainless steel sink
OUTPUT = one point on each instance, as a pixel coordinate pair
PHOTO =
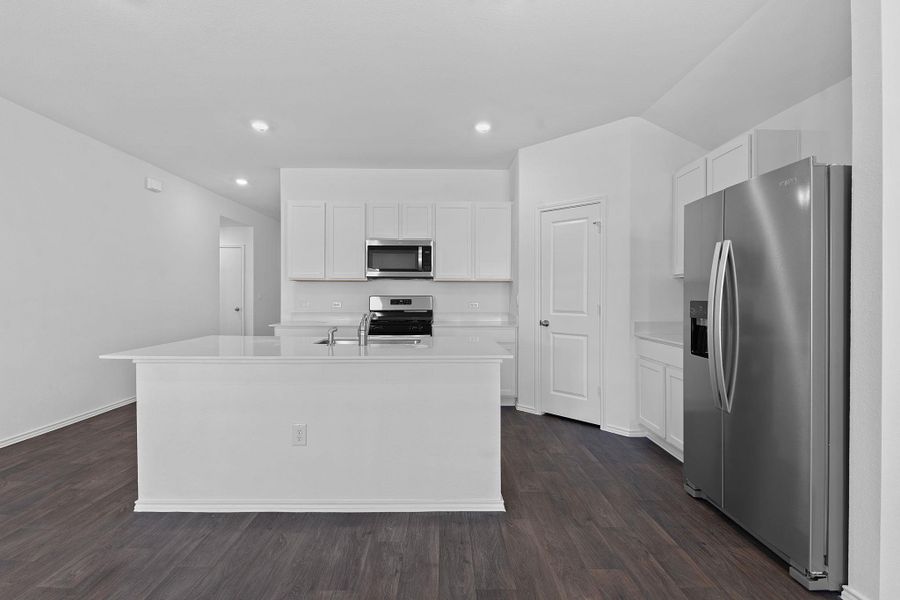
(408, 341)
(372, 341)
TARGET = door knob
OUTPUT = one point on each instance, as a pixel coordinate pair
(237, 309)
(545, 323)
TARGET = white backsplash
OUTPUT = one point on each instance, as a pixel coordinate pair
(479, 300)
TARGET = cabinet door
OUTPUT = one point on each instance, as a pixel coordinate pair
(345, 256)
(416, 221)
(728, 164)
(492, 241)
(688, 184)
(675, 407)
(383, 221)
(508, 371)
(652, 396)
(774, 148)
(453, 241)
(305, 243)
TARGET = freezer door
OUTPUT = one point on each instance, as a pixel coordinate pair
(767, 431)
(702, 417)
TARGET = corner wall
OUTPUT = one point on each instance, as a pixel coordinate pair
(94, 263)
(656, 295)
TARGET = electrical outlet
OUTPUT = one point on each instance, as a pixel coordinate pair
(298, 434)
(336, 304)
(473, 305)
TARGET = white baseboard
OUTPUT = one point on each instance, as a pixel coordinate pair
(665, 445)
(328, 506)
(63, 423)
(851, 594)
(507, 400)
(624, 432)
(528, 409)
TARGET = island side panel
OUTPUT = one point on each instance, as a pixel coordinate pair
(385, 436)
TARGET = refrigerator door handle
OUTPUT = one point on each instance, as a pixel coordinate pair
(712, 359)
(729, 265)
(719, 360)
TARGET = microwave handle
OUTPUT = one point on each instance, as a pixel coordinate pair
(420, 258)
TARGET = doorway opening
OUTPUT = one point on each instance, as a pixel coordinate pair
(235, 278)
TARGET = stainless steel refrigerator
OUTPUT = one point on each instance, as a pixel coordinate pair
(766, 314)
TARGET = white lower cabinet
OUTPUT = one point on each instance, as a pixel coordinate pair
(652, 395)
(503, 335)
(660, 394)
(675, 407)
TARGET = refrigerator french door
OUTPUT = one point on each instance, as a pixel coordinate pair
(766, 313)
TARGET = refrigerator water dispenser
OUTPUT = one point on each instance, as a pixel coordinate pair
(698, 328)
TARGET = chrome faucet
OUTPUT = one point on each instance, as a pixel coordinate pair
(331, 333)
(363, 331)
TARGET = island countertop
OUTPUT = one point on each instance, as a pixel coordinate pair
(234, 348)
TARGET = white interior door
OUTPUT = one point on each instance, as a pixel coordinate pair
(570, 312)
(231, 290)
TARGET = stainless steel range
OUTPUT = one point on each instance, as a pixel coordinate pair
(400, 317)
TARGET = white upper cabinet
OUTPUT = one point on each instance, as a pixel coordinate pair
(416, 221)
(453, 247)
(345, 241)
(384, 220)
(688, 184)
(305, 240)
(327, 240)
(729, 164)
(493, 224)
(774, 148)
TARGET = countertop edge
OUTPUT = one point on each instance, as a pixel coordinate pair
(659, 340)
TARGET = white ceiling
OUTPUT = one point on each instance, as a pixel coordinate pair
(784, 53)
(388, 83)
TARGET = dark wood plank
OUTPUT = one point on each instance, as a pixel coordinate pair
(589, 515)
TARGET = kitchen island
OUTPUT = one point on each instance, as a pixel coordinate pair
(239, 423)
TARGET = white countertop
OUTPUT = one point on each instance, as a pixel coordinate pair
(235, 348)
(662, 332)
(454, 320)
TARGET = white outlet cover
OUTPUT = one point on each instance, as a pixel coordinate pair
(474, 305)
(337, 304)
(154, 185)
(298, 434)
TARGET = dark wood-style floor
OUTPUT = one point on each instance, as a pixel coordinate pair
(589, 515)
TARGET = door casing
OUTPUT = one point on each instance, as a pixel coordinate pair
(538, 355)
(245, 310)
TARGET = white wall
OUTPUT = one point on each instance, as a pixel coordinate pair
(590, 163)
(890, 407)
(874, 548)
(301, 299)
(825, 122)
(94, 263)
(629, 163)
(865, 303)
(655, 155)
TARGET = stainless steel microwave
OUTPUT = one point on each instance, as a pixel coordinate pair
(406, 259)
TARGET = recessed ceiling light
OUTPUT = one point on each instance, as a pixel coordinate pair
(482, 127)
(241, 181)
(259, 126)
